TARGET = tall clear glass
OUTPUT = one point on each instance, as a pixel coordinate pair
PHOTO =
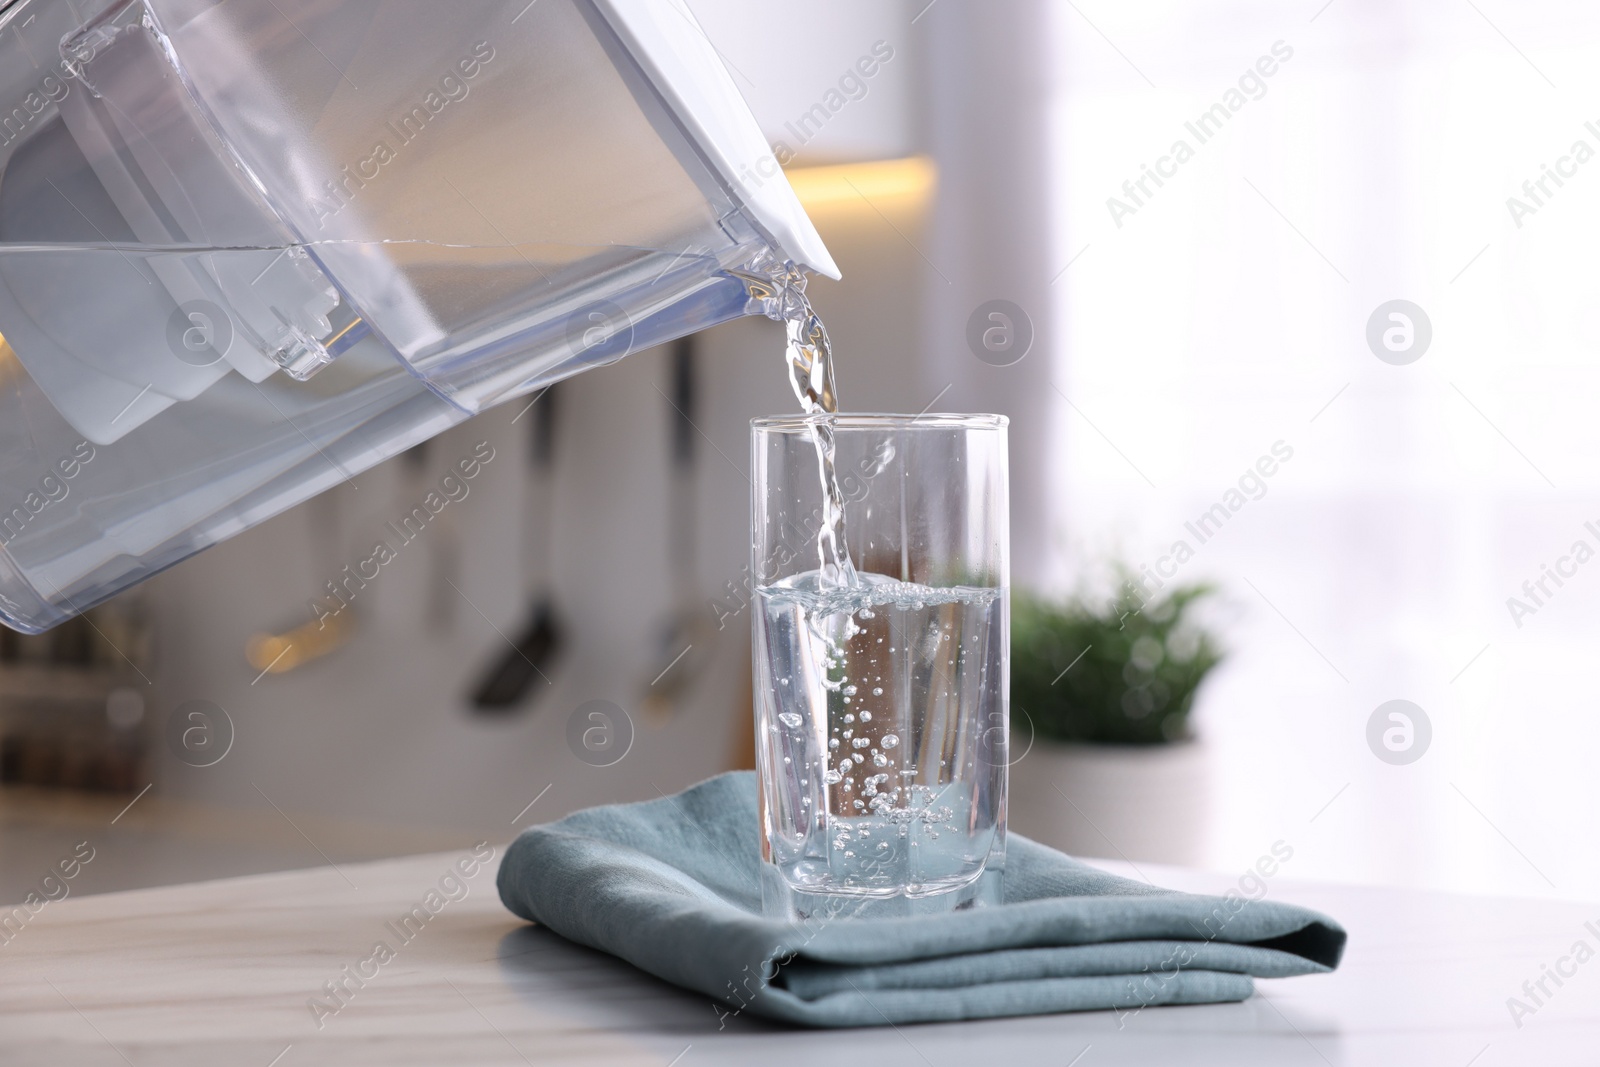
(881, 690)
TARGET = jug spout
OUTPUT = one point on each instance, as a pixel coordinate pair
(249, 248)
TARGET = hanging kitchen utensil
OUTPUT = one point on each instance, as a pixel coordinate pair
(333, 624)
(521, 671)
(440, 603)
(686, 635)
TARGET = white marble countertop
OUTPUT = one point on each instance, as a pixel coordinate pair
(221, 973)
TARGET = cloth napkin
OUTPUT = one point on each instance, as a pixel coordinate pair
(673, 887)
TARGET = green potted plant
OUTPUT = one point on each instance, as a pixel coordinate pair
(1105, 758)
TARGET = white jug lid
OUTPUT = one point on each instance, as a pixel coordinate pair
(667, 41)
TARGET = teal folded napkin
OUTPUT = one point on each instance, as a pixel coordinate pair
(673, 886)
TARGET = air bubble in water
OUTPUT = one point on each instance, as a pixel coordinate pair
(789, 719)
(863, 742)
(833, 777)
(866, 716)
(890, 740)
(877, 690)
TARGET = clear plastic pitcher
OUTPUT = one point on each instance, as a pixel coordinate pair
(250, 248)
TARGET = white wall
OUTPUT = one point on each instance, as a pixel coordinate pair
(1229, 312)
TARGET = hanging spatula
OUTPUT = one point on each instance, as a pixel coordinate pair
(517, 673)
(686, 635)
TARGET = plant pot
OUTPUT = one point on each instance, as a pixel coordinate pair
(1133, 802)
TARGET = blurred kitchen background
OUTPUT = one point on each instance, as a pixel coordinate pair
(1170, 343)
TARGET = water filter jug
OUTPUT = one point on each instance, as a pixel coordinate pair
(250, 248)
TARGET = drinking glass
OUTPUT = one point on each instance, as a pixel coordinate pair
(881, 685)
